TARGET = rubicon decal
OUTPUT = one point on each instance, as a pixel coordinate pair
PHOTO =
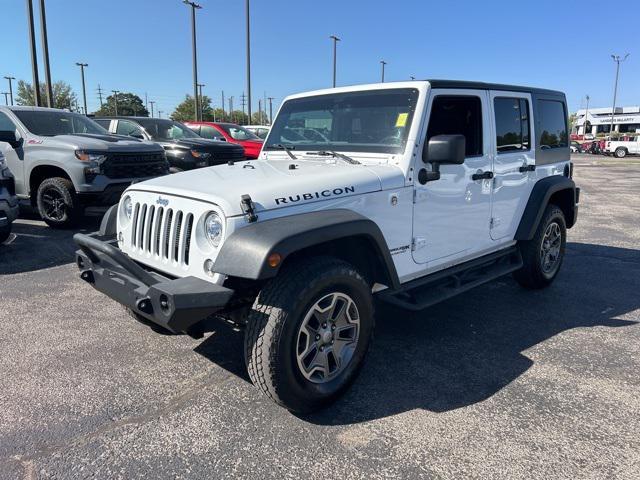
(335, 192)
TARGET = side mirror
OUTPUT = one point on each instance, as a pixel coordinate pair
(9, 136)
(441, 149)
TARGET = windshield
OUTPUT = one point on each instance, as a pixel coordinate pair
(238, 133)
(166, 129)
(51, 123)
(370, 121)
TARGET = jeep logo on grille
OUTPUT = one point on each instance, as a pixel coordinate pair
(162, 201)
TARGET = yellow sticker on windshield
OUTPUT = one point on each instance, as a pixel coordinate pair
(402, 120)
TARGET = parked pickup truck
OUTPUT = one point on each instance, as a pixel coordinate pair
(63, 161)
(621, 149)
(415, 192)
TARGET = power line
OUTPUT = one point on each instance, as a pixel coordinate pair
(100, 94)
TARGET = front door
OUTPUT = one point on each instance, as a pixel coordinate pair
(14, 157)
(452, 214)
(514, 160)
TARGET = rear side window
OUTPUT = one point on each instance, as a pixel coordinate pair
(6, 124)
(209, 132)
(128, 128)
(553, 124)
(103, 122)
(461, 115)
(512, 124)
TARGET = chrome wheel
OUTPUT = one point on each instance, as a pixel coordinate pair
(328, 337)
(550, 248)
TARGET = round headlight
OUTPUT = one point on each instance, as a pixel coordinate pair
(127, 207)
(213, 228)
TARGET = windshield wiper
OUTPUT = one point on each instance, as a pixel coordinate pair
(341, 156)
(279, 146)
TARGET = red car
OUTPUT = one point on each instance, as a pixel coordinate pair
(231, 133)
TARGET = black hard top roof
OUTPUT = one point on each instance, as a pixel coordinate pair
(464, 84)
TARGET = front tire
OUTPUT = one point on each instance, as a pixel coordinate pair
(620, 152)
(542, 255)
(58, 203)
(308, 333)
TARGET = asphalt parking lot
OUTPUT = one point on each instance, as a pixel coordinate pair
(498, 383)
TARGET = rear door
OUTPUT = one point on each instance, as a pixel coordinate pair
(514, 159)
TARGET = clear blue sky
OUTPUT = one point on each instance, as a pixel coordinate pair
(145, 45)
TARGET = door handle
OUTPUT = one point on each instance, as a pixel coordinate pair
(482, 176)
(527, 168)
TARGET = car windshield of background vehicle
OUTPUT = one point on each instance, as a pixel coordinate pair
(239, 133)
(371, 121)
(49, 124)
(167, 129)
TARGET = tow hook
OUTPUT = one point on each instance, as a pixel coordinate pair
(144, 305)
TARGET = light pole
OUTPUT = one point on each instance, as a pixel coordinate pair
(383, 63)
(84, 90)
(9, 78)
(152, 103)
(45, 55)
(200, 85)
(335, 42)
(271, 110)
(194, 6)
(6, 97)
(248, 33)
(34, 57)
(115, 93)
(616, 58)
(586, 118)
(159, 113)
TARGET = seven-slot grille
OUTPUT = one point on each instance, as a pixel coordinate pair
(162, 232)
(136, 165)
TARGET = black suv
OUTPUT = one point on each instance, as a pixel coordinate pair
(185, 149)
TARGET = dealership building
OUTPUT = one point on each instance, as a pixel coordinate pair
(598, 120)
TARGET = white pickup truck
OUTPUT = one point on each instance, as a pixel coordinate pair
(621, 149)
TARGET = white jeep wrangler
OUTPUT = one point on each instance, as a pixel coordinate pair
(412, 192)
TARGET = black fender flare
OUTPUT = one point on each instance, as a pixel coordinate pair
(109, 223)
(542, 192)
(244, 254)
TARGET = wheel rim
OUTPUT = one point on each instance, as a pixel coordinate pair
(328, 337)
(550, 248)
(54, 206)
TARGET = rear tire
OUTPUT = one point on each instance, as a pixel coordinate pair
(542, 255)
(620, 152)
(58, 203)
(308, 333)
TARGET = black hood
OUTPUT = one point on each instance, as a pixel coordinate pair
(203, 144)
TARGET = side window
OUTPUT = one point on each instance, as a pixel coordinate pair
(103, 122)
(6, 124)
(553, 124)
(512, 124)
(128, 128)
(462, 115)
(208, 131)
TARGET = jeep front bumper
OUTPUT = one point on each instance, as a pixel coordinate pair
(175, 304)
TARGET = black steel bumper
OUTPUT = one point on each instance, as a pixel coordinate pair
(175, 304)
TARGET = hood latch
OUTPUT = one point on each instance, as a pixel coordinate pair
(248, 208)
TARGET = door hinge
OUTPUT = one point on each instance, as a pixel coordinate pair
(417, 243)
(494, 222)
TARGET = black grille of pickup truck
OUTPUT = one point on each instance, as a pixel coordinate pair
(135, 165)
(227, 154)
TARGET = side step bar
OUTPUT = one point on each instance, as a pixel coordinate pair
(423, 292)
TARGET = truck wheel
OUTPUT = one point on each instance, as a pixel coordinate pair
(621, 152)
(5, 232)
(57, 202)
(542, 255)
(308, 333)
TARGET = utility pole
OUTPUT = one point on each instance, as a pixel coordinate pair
(200, 85)
(616, 58)
(34, 57)
(152, 103)
(45, 55)
(383, 63)
(271, 110)
(335, 42)
(146, 101)
(100, 95)
(115, 93)
(260, 111)
(160, 113)
(6, 97)
(84, 90)
(194, 6)
(243, 100)
(586, 118)
(9, 78)
(223, 105)
(231, 108)
(248, 61)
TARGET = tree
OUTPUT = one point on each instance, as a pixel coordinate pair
(259, 118)
(185, 111)
(63, 94)
(129, 104)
